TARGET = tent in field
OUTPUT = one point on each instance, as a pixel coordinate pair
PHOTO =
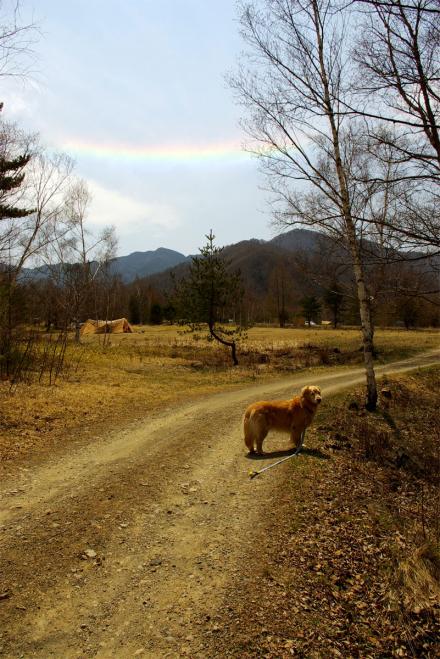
(119, 326)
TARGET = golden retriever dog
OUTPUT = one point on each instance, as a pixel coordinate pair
(292, 416)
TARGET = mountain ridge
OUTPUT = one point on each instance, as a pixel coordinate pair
(141, 264)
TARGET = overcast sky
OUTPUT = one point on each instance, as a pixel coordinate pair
(135, 91)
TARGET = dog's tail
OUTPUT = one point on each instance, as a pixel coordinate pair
(248, 435)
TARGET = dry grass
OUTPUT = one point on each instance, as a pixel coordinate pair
(112, 379)
(271, 348)
(388, 342)
(349, 563)
(398, 448)
(110, 387)
(273, 338)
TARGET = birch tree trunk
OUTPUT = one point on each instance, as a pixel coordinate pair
(366, 325)
(350, 228)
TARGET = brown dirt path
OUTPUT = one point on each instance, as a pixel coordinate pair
(126, 546)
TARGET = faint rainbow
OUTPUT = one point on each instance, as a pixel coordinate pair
(177, 153)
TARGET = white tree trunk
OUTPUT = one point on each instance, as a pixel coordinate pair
(366, 321)
(350, 229)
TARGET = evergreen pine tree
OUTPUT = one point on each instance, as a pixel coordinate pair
(209, 296)
(134, 313)
(11, 179)
(156, 314)
(311, 308)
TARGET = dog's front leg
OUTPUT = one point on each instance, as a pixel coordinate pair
(295, 438)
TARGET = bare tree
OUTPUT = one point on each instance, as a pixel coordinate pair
(75, 257)
(292, 83)
(402, 209)
(399, 60)
(48, 177)
(398, 96)
(32, 196)
(17, 38)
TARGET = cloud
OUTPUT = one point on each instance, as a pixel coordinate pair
(129, 215)
(21, 100)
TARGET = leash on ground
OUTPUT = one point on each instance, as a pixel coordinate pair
(254, 473)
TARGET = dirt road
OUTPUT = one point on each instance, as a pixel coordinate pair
(125, 546)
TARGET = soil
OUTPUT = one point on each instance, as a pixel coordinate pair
(130, 544)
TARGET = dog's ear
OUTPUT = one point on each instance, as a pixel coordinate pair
(305, 391)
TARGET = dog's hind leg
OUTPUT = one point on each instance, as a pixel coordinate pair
(259, 439)
(248, 436)
(249, 441)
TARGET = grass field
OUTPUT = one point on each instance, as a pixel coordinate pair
(113, 379)
(388, 341)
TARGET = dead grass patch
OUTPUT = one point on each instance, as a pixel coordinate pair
(398, 448)
(349, 562)
(111, 379)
